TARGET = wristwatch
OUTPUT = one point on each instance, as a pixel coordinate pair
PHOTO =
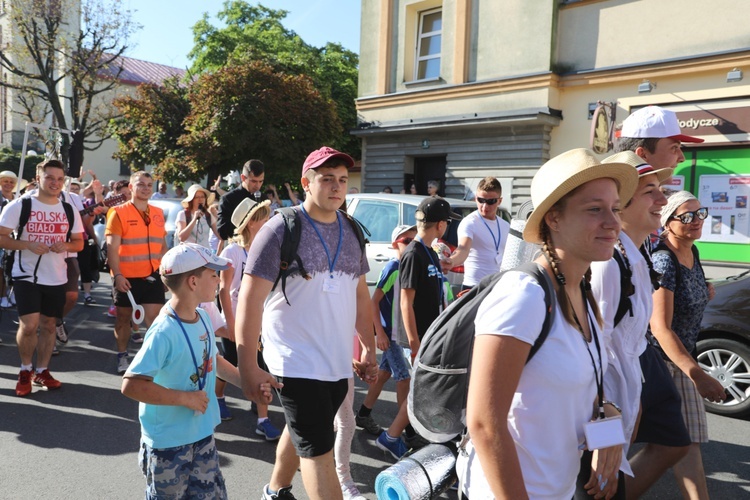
(614, 405)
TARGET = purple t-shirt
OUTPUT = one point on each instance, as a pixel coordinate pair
(312, 336)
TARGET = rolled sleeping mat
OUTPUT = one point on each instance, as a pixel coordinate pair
(517, 251)
(423, 475)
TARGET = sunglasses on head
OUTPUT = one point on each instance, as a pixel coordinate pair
(688, 217)
(487, 201)
(405, 240)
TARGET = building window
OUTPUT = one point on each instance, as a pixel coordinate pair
(124, 168)
(429, 39)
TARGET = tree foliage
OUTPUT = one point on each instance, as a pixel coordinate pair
(257, 33)
(62, 60)
(151, 123)
(248, 110)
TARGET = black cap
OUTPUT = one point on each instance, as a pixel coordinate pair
(435, 209)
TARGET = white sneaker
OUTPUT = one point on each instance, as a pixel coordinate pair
(122, 364)
(62, 334)
(350, 491)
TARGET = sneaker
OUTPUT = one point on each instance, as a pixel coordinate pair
(415, 442)
(396, 448)
(61, 333)
(368, 423)
(45, 379)
(112, 311)
(136, 338)
(266, 428)
(122, 363)
(223, 410)
(89, 300)
(351, 492)
(282, 494)
(23, 387)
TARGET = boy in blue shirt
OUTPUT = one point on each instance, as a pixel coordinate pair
(173, 377)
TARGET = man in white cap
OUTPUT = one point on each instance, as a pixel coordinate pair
(654, 134)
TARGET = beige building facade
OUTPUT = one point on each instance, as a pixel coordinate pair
(455, 90)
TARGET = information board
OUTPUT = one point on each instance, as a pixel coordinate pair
(726, 197)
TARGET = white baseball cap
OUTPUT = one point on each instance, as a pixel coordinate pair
(654, 122)
(189, 256)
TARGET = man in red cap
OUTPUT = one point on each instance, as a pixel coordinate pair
(308, 325)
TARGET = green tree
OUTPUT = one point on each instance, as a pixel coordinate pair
(63, 60)
(257, 33)
(149, 125)
(249, 110)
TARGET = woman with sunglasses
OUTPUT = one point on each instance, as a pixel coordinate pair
(195, 224)
(675, 323)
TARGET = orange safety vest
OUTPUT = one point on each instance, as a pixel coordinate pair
(141, 244)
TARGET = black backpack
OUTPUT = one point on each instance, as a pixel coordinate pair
(440, 376)
(290, 244)
(23, 219)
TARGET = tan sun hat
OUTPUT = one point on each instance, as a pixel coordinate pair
(7, 174)
(244, 213)
(565, 172)
(641, 165)
(191, 194)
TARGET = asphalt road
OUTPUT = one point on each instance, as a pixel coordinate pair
(82, 440)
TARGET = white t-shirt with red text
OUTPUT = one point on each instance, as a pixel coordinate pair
(47, 224)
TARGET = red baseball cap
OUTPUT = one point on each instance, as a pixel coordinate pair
(322, 155)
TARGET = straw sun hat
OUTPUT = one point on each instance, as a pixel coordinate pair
(244, 213)
(641, 165)
(191, 194)
(565, 172)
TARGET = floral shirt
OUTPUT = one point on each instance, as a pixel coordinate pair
(690, 297)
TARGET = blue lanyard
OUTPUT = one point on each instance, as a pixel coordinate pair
(494, 240)
(201, 378)
(437, 268)
(331, 263)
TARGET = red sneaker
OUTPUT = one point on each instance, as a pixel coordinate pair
(45, 379)
(23, 387)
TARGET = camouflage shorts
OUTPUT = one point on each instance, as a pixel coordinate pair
(190, 471)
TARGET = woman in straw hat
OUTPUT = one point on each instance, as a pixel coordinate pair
(675, 323)
(194, 224)
(8, 181)
(526, 420)
(247, 218)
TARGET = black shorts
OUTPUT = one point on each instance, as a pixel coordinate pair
(84, 263)
(34, 298)
(661, 414)
(310, 407)
(145, 291)
(73, 273)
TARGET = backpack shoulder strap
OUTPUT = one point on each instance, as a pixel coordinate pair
(359, 230)
(24, 217)
(661, 248)
(188, 216)
(289, 246)
(71, 218)
(540, 275)
(624, 305)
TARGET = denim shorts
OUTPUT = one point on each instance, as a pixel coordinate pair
(189, 471)
(394, 360)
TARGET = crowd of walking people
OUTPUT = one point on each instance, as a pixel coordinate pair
(274, 300)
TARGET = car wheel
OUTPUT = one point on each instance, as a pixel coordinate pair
(728, 361)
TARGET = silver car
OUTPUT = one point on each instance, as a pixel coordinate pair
(381, 213)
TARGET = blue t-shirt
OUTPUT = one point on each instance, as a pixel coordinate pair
(165, 357)
(387, 282)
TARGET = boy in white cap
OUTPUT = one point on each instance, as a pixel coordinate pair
(173, 377)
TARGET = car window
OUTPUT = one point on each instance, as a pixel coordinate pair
(379, 217)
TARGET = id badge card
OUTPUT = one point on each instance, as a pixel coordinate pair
(604, 433)
(331, 285)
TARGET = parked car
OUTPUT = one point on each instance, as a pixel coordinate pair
(170, 206)
(381, 213)
(724, 344)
